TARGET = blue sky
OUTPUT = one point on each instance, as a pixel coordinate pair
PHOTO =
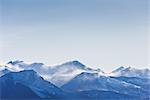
(100, 33)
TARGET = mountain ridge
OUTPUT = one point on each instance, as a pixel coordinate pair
(75, 80)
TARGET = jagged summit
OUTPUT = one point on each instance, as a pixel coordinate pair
(75, 63)
(15, 62)
(119, 69)
(36, 65)
(87, 76)
(131, 72)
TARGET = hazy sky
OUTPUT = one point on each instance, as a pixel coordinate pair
(100, 33)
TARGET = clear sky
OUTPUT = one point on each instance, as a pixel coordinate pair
(100, 33)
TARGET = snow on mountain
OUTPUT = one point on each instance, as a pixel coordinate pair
(74, 76)
(58, 75)
(15, 62)
(4, 71)
(61, 74)
(20, 65)
(94, 81)
(36, 83)
(131, 72)
(142, 82)
(16, 66)
(119, 69)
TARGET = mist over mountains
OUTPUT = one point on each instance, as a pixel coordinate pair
(72, 80)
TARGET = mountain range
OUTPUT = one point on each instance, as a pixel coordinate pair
(72, 80)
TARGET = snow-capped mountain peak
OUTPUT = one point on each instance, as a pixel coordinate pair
(15, 62)
(74, 63)
(131, 72)
(85, 75)
(93, 81)
(119, 69)
(63, 73)
(36, 64)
